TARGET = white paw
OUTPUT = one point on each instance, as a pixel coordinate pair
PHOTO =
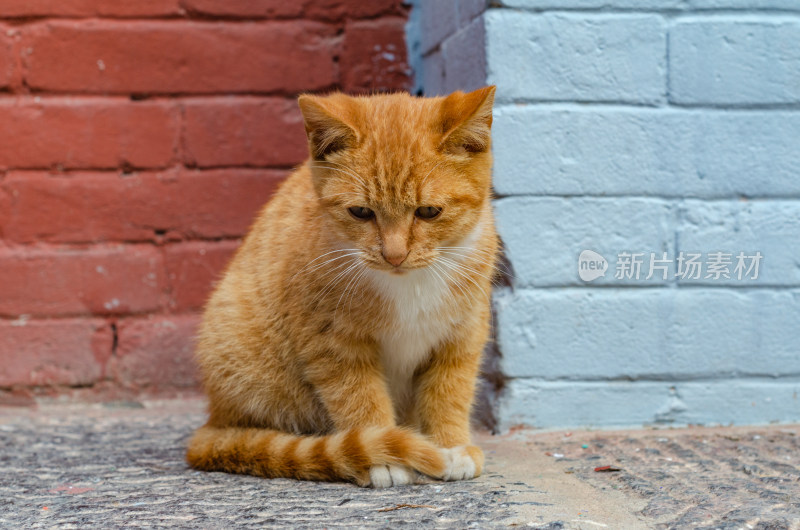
(458, 464)
(386, 476)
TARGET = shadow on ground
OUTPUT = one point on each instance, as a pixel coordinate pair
(113, 466)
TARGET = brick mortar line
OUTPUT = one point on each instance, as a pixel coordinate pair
(89, 245)
(138, 391)
(667, 13)
(244, 167)
(651, 378)
(133, 170)
(671, 286)
(250, 18)
(30, 20)
(579, 105)
(181, 150)
(143, 97)
(133, 98)
(437, 47)
(175, 165)
(672, 199)
(106, 317)
(34, 96)
(108, 243)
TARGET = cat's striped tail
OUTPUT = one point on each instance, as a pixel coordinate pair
(347, 455)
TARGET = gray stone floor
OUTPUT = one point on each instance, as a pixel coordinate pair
(101, 466)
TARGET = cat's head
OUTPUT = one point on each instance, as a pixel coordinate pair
(402, 178)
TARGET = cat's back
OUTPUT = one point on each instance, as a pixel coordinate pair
(262, 266)
(275, 239)
(242, 343)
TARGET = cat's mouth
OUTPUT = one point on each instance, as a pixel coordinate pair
(404, 268)
(398, 270)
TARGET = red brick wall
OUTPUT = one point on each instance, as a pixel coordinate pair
(137, 141)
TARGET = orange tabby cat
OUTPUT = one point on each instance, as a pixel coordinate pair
(344, 341)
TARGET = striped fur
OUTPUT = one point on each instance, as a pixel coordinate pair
(347, 455)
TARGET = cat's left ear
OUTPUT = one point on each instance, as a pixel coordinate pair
(466, 121)
(326, 121)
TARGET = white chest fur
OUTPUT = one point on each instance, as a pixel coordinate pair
(420, 321)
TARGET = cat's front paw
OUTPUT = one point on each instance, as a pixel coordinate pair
(387, 476)
(463, 462)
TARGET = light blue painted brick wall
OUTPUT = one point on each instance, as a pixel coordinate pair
(743, 61)
(651, 334)
(544, 235)
(576, 57)
(663, 151)
(644, 126)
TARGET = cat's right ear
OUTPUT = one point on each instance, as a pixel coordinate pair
(326, 125)
(465, 121)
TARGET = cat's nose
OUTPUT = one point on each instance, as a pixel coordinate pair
(395, 258)
(395, 244)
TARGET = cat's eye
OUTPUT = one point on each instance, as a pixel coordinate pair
(428, 212)
(360, 212)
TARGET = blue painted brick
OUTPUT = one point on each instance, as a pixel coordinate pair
(470, 9)
(735, 62)
(614, 404)
(544, 249)
(769, 227)
(582, 57)
(646, 5)
(439, 20)
(784, 5)
(743, 401)
(697, 153)
(593, 4)
(433, 74)
(648, 333)
(464, 64)
(533, 403)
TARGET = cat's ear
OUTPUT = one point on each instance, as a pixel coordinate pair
(465, 121)
(325, 119)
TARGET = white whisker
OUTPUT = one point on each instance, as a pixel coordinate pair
(455, 267)
(334, 282)
(468, 257)
(464, 267)
(346, 288)
(320, 257)
(451, 279)
(356, 283)
(319, 266)
(439, 276)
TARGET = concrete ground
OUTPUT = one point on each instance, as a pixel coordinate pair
(121, 465)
